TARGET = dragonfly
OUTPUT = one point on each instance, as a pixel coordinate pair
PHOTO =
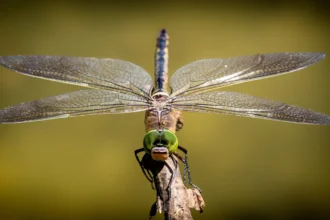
(116, 86)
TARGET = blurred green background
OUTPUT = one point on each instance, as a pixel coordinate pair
(84, 168)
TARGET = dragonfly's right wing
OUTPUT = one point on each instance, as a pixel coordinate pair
(249, 106)
(78, 103)
(204, 75)
(107, 74)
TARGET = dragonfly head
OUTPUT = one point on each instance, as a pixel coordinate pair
(160, 144)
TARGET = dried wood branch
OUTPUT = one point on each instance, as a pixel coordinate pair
(181, 200)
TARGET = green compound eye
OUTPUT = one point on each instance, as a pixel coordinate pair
(149, 139)
(165, 137)
(171, 140)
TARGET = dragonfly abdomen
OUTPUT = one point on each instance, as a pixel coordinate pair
(161, 62)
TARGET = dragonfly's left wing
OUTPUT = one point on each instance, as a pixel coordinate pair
(249, 106)
(203, 75)
(78, 103)
(105, 73)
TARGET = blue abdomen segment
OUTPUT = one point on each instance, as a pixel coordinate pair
(161, 62)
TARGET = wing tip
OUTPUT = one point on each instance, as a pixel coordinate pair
(319, 119)
(318, 56)
(4, 120)
(308, 58)
(325, 121)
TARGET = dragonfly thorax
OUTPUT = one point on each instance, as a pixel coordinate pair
(159, 106)
(160, 95)
(162, 117)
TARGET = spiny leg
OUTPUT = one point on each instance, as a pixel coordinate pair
(148, 176)
(168, 188)
(185, 166)
(184, 161)
(175, 163)
(153, 209)
(188, 169)
(146, 159)
(152, 178)
(146, 173)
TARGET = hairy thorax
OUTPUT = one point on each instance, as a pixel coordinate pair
(171, 121)
(161, 117)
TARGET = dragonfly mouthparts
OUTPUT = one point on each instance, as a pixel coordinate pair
(160, 153)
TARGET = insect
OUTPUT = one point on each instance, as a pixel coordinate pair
(116, 86)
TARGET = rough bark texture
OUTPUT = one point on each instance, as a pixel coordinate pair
(181, 199)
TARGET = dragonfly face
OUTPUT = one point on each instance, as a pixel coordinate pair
(160, 144)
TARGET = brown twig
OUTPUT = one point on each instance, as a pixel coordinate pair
(181, 200)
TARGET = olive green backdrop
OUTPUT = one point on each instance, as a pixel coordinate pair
(84, 168)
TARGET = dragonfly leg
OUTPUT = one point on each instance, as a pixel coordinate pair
(150, 176)
(174, 162)
(146, 172)
(168, 188)
(185, 166)
(185, 161)
(153, 209)
(158, 190)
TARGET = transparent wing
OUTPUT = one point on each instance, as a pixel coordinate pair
(108, 74)
(78, 103)
(203, 75)
(249, 106)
